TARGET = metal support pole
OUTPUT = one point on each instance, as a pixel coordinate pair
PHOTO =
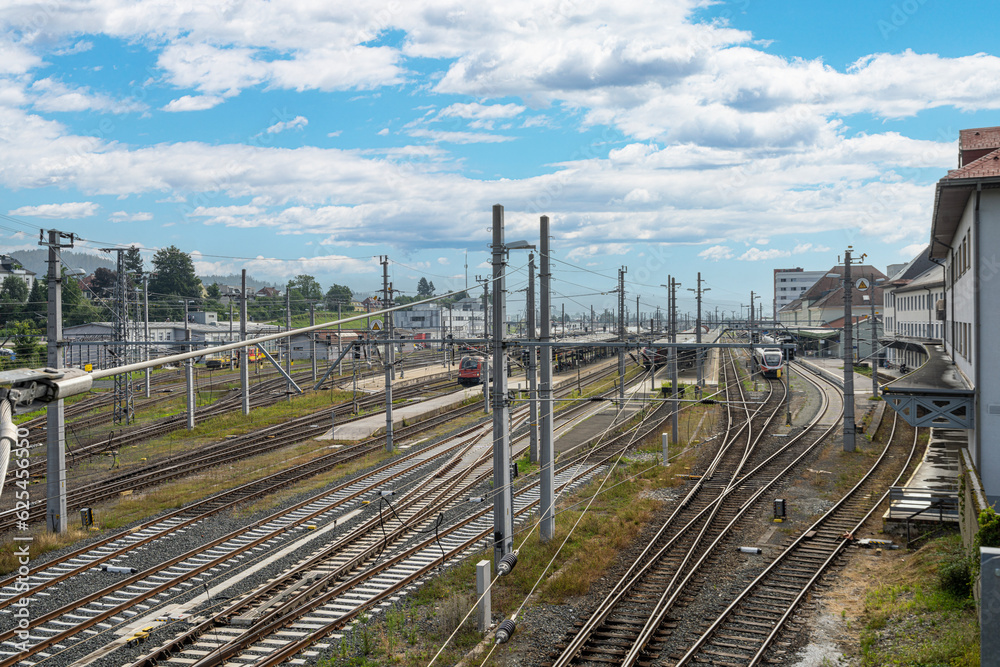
(387, 356)
(55, 422)
(188, 371)
(665, 445)
(245, 361)
(848, 355)
(503, 524)
(621, 337)
(340, 343)
(486, 337)
(532, 366)
(546, 454)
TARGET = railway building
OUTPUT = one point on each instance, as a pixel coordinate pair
(914, 297)
(959, 387)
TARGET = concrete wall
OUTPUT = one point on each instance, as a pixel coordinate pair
(986, 267)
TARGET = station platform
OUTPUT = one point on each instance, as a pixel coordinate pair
(930, 495)
(364, 428)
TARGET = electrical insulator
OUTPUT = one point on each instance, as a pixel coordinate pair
(506, 629)
(386, 494)
(507, 563)
(475, 499)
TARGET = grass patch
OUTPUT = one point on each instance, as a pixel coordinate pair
(919, 616)
(437, 608)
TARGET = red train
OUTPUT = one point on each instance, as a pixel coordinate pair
(470, 371)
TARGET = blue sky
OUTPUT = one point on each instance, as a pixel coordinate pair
(674, 137)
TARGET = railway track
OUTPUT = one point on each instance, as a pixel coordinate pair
(179, 465)
(748, 631)
(104, 609)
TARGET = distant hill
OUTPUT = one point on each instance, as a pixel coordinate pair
(37, 260)
(233, 280)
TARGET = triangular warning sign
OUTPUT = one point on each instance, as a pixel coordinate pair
(376, 326)
(862, 284)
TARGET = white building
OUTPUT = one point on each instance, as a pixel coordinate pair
(912, 297)
(463, 318)
(959, 387)
(11, 267)
(790, 284)
(93, 343)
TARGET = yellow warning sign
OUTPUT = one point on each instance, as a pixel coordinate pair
(375, 326)
(862, 284)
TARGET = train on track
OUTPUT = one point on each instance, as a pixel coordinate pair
(768, 361)
(778, 339)
(470, 371)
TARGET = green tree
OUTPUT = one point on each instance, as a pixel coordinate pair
(424, 288)
(38, 301)
(339, 294)
(173, 278)
(134, 266)
(301, 290)
(25, 337)
(104, 282)
(213, 291)
(15, 289)
(77, 309)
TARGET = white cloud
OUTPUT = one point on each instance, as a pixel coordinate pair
(383, 132)
(910, 251)
(443, 260)
(460, 137)
(757, 255)
(125, 216)
(51, 95)
(294, 124)
(716, 253)
(69, 210)
(475, 110)
(192, 103)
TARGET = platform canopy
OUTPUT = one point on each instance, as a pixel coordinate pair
(935, 394)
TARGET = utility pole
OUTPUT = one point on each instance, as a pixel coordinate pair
(55, 421)
(312, 340)
(288, 343)
(675, 406)
(486, 343)
(592, 329)
(638, 326)
(145, 319)
(874, 354)
(546, 453)
(532, 366)
(124, 410)
(387, 355)
(698, 292)
(848, 355)
(621, 337)
(188, 371)
(245, 353)
(503, 522)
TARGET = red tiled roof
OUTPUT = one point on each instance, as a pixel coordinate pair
(979, 137)
(986, 166)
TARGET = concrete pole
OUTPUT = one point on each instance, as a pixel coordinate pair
(245, 362)
(387, 356)
(312, 341)
(532, 365)
(871, 322)
(546, 453)
(145, 319)
(503, 523)
(621, 337)
(486, 338)
(288, 343)
(55, 420)
(674, 405)
(340, 349)
(848, 355)
(188, 371)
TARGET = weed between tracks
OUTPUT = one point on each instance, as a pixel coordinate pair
(613, 522)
